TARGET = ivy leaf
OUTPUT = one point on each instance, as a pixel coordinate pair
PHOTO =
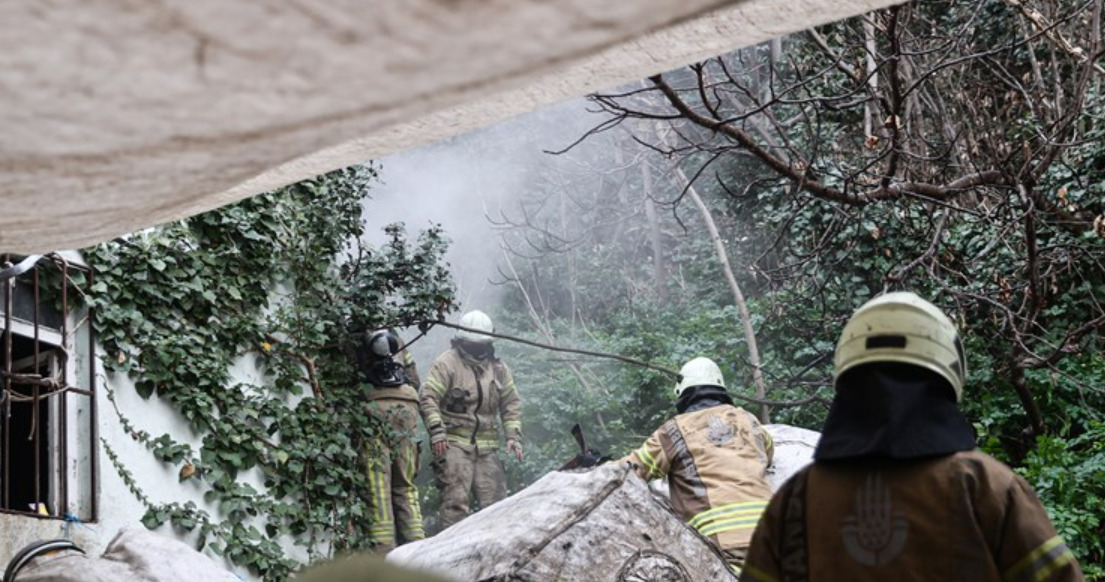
(154, 517)
(187, 471)
(144, 389)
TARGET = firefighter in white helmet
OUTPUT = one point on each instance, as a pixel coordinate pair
(714, 456)
(469, 403)
(897, 490)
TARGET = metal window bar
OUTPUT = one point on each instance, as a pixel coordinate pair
(33, 389)
(35, 408)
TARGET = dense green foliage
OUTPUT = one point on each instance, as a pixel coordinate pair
(281, 281)
(950, 148)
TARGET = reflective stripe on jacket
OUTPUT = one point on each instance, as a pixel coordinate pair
(960, 517)
(715, 461)
(468, 401)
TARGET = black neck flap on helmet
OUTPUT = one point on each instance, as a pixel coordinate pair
(699, 397)
(892, 410)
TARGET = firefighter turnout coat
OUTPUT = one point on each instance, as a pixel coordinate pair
(715, 460)
(467, 401)
(962, 517)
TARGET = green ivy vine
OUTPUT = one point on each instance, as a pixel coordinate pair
(286, 280)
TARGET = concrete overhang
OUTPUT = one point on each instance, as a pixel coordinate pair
(118, 115)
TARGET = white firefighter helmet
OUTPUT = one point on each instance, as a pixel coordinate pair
(383, 343)
(902, 327)
(699, 372)
(478, 320)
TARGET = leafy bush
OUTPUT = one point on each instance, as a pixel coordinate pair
(284, 279)
(1068, 474)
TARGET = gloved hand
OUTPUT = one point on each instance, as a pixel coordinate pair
(514, 446)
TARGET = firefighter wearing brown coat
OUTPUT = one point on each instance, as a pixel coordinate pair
(467, 400)
(897, 491)
(715, 458)
(392, 458)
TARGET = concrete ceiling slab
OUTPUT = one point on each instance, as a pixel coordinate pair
(121, 114)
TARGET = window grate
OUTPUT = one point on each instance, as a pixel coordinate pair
(48, 448)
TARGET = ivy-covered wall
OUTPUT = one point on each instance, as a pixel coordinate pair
(241, 320)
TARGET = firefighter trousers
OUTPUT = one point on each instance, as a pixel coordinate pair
(462, 470)
(392, 463)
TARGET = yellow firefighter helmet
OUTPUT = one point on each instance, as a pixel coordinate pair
(902, 327)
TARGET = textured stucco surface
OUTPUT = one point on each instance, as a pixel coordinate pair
(120, 114)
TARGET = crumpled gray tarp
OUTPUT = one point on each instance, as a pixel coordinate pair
(135, 555)
(593, 524)
(597, 524)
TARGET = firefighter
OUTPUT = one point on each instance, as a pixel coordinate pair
(715, 457)
(897, 490)
(468, 399)
(391, 459)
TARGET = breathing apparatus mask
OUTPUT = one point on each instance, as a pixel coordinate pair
(376, 360)
(479, 350)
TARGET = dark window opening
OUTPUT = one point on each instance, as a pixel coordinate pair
(48, 457)
(28, 435)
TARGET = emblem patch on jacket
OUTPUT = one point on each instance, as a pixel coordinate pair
(720, 432)
(875, 534)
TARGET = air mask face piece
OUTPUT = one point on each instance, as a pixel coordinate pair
(479, 350)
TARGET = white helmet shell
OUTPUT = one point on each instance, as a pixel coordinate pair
(477, 320)
(699, 372)
(902, 327)
(383, 343)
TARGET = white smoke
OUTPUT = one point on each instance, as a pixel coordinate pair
(461, 182)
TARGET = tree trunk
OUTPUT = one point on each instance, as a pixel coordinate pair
(738, 297)
(872, 75)
(659, 270)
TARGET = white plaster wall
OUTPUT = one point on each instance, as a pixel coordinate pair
(118, 507)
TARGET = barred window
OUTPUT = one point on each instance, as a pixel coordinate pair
(48, 458)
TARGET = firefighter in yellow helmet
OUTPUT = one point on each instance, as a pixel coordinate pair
(897, 490)
(714, 456)
(469, 402)
(391, 459)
